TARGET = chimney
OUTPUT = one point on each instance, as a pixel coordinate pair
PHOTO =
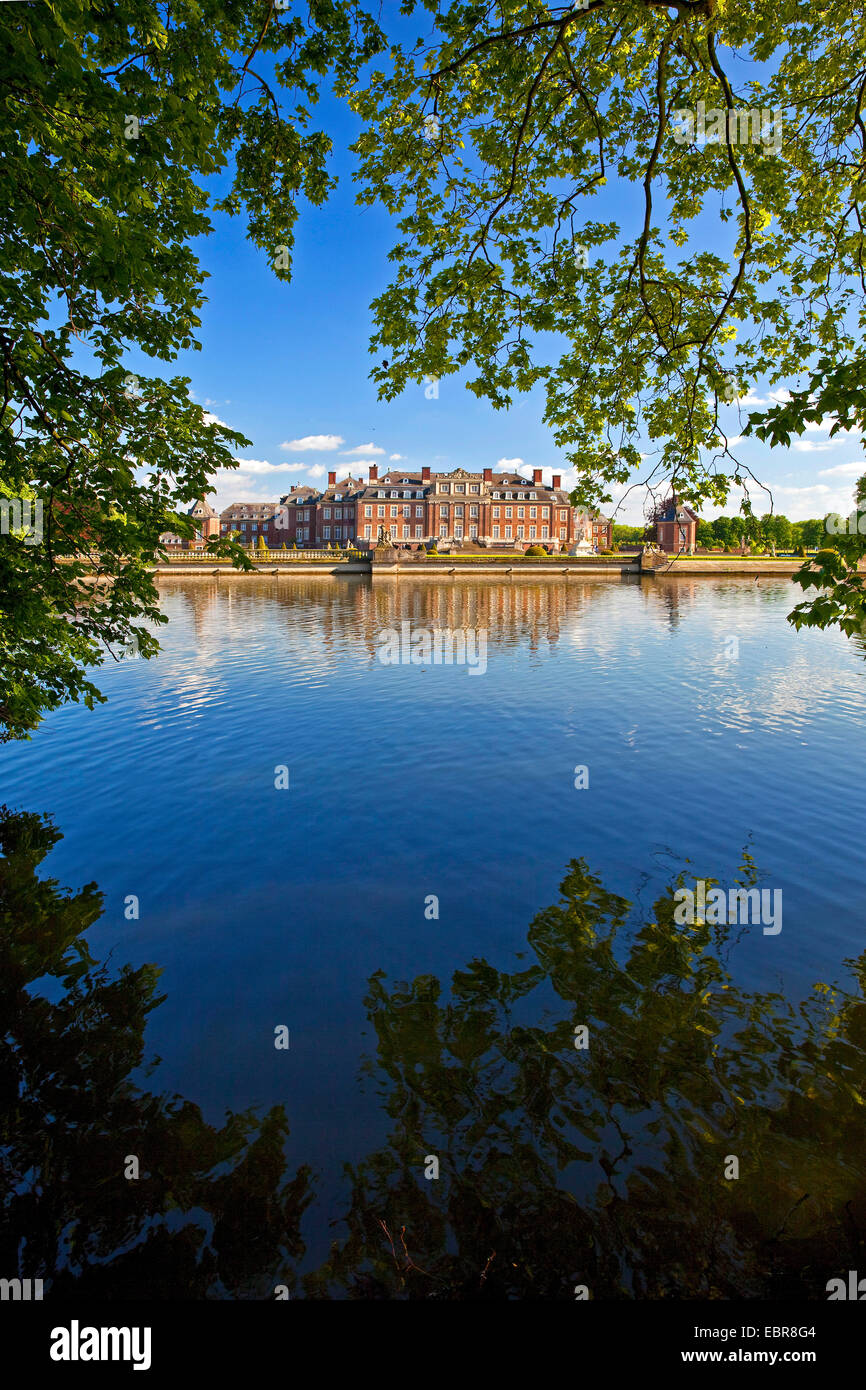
(536, 477)
(557, 480)
(374, 472)
(425, 475)
(488, 475)
(332, 480)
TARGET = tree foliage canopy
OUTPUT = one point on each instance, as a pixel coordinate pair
(645, 209)
(563, 224)
(731, 259)
(122, 129)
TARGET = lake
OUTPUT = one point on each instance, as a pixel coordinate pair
(294, 830)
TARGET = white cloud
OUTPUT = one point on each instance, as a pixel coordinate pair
(844, 470)
(808, 446)
(395, 458)
(210, 419)
(824, 426)
(367, 449)
(749, 399)
(810, 489)
(261, 466)
(510, 465)
(315, 470)
(799, 503)
(313, 441)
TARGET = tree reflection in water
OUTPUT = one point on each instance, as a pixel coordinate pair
(212, 1214)
(558, 1166)
(605, 1167)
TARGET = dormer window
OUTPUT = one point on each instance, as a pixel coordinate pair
(395, 494)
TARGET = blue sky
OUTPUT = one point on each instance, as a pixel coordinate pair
(288, 366)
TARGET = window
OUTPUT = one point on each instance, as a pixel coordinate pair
(520, 531)
(243, 525)
(393, 512)
(473, 510)
(496, 533)
(404, 480)
(443, 509)
(405, 533)
(419, 531)
(532, 496)
(495, 511)
(443, 529)
(473, 487)
(326, 532)
(520, 511)
(368, 511)
(508, 511)
(326, 514)
(544, 531)
(532, 533)
(419, 511)
(458, 531)
(533, 511)
(473, 533)
(338, 533)
(446, 487)
(395, 494)
(366, 533)
(380, 493)
(508, 533)
(563, 516)
(458, 510)
(407, 511)
(380, 511)
(562, 533)
(338, 512)
(508, 496)
(406, 494)
(459, 487)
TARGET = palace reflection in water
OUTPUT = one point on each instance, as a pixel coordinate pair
(559, 1166)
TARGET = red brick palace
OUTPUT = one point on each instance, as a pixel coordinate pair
(487, 509)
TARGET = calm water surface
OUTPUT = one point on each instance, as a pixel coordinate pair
(265, 907)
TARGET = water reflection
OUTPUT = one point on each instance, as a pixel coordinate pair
(606, 1167)
(559, 1166)
(354, 610)
(213, 1212)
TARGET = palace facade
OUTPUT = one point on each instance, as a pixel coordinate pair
(486, 509)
